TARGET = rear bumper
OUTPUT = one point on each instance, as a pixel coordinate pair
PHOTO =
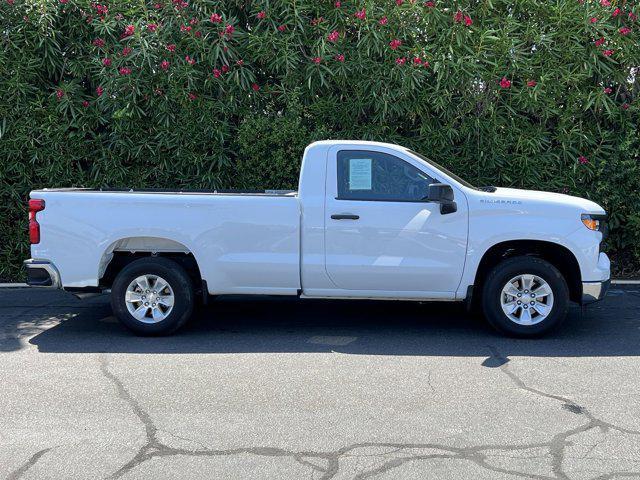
(42, 273)
(594, 291)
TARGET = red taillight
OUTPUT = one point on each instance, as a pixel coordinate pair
(35, 205)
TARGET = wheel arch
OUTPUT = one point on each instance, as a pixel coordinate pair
(558, 255)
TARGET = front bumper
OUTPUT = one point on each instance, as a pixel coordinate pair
(42, 273)
(594, 291)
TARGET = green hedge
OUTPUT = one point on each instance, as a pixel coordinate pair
(227, 94)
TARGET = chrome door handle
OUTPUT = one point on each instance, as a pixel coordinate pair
(344, 216)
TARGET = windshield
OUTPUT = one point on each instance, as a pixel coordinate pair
(441, 168)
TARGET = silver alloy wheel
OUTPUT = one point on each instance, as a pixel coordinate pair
(149, 298)
(526, 299)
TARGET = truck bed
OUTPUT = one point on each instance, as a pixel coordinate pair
(264, 193)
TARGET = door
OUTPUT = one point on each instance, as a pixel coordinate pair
(380, 233)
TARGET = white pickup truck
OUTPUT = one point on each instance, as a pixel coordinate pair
(369, 221)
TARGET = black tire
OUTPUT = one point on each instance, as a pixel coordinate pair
(507, 270)
(178, 280)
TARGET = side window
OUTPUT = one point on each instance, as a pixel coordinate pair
(364, 175)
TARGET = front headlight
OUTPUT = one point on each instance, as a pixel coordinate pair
(593, 222)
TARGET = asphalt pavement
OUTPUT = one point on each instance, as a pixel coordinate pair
(280, 388)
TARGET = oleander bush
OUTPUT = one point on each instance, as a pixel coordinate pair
(226, 94)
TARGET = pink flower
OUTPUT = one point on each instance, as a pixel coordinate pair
(504, 83)
(317, 21)
(164, 65)
(417, 61)
(632, 16)
(158, 6)
(171, 47)
(282, 28)
(193, 21)
(608, 90)
(467, 20)
(316, 60)
(128, 31)
(333, 36)
(605, 3)
(607, 53)
(185, 28)
(192, 96)
(102, 9)
(624, 30)
(383, 21)
(593, 19)
(64, 2)
(217, 73)
(255, 87)
(10, 2)
(125, 71)
(59, 94)
(426, 64)
(106, 62)
(531, 83)
(616, 12)
(99, 91)
(215, 18)
(152, 27)
(189, 60)
(399, 2)
(338, 4)
(401, 61)
(458, 17)
(126, 51)
(225, 68)
(395, 43)
(98, 42)
(429, 4)
(361, 14)
(583, 160)
(339, 57)
(85, 104)
(198, 34)
(240, 62)
(229, 29)
(599, 41)
(262, 15)
(625, 106)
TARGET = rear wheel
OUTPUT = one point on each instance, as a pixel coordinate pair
(525, 297)
(152, 296)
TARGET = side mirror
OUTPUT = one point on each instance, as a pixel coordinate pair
(443, 194)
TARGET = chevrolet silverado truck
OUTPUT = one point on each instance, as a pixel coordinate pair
(369, 221)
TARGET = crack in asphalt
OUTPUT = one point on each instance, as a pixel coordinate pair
(16, 474)
(327, 463)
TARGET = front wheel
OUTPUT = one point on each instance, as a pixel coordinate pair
(152, 296)
(525, 297)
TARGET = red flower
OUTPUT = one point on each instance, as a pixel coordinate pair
(240, 62)
(215, 18)
(158, 6)
(255, 87)
(504, 83)
(426, 64)
(599, 41)
(624, 30)
(229, 29)
(316, 60)
(616, 12)
(333, 36)
(417, 61)
(361, 14)
(401, 61)
(395, 43)
(605, 3)
(126, 51)
(282, 28)
(125, 71)
(583, 160)
(531, 83)
(458, 17)
(99, 91)
(192, 96)
(338, 4)
(164, 65)
(10, 2)
(185, 28)
(193, 21)
(261, 15)
(64, 1)
(632, 16)
(430, 4)
(152, 27)
(607, 53)
(217, 73)
(198, 34)
(59, 94)
(593, 19)
(399, 2)
(98, 42)
(128, 31)
(189, 60)
(339, 57)
(102, 9)
(383, 21)
(171, 47)
(608, 90)
(225, 68)
(467, 20)
(625, 106)
(85, 104)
